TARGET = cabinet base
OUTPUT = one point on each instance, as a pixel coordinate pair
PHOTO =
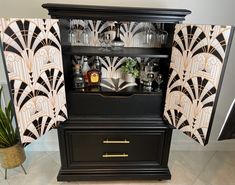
(93, 175)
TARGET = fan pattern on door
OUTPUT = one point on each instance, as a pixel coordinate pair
(33, 59)
(198, 55)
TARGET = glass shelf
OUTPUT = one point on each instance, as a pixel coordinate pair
(126, 52)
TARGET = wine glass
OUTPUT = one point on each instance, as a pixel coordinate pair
(164, 36)
(107, 39)
(85, 35)
(158, 35)
(159, 82)
(101, 37)
(149, 35)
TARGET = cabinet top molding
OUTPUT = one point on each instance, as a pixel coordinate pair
(70, 11)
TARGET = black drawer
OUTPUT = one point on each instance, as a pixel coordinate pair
(82, 104)
(118, 146)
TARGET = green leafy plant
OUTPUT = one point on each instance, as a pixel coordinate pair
(9, 135)
(130, 67)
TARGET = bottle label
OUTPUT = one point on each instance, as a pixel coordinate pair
(94, 78)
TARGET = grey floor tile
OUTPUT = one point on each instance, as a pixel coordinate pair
(199, 182)
(33, 157)
(187, 168)
(42, 172)
(55, 156)
(3, 182)
(219, 171)
(2, 179)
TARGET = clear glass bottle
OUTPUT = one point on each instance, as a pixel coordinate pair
(78, 80)
(85, 68)
(97, 64)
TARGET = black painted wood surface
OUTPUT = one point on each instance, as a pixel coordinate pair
(69, 11)
(95, 116)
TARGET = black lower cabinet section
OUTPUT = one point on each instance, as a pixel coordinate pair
(114, 151)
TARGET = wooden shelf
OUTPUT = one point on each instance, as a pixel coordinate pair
(127, 51)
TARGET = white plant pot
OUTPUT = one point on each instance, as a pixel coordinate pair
(128, 78)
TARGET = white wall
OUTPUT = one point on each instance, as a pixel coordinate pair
(203, 12)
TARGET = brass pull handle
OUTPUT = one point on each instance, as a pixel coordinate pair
(106, 155)
(107, 141)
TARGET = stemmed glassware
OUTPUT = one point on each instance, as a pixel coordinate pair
(158, 35)
(161, 35)
(159, 82)
(101, 40)
(72, 33)
(149, 35)
(107, 39)
(85, 34)
(164, 36)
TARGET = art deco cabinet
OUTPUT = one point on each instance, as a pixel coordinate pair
(118, 130)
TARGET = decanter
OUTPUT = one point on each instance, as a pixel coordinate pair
(117, 43)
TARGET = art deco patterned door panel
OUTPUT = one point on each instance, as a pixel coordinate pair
(33, 60)
(198, 61)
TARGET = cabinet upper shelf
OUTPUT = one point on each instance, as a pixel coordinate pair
(127, 51)
(70, 11)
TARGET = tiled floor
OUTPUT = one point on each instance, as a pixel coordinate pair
(187, 168)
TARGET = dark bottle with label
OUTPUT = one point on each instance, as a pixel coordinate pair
(94, 74)
(78, 79)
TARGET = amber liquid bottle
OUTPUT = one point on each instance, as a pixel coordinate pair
(94, 75)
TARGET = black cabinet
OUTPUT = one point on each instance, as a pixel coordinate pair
(115, 133)
(119, 105)
(116, 152)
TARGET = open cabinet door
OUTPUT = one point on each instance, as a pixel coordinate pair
(33, 61)
(228, 129)
(198, 61)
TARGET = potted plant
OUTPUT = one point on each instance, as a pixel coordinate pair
(130, 70)
(11, 150)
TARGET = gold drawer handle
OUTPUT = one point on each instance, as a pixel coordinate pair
(107, 141)
(106, 155)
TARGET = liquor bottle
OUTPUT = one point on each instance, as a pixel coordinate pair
(94, 74)
(85, 69)
(97, 64)
(78, 80)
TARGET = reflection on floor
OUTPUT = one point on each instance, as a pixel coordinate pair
(187, 168)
